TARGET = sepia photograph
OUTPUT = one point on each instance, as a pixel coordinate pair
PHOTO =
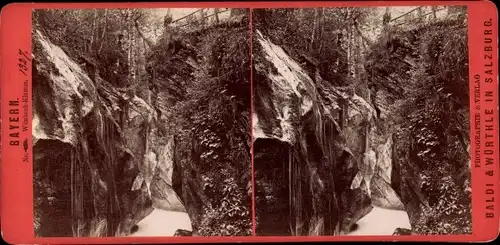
(141, 122)
(361, 121)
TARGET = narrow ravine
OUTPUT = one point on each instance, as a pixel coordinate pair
(357, 133)
(162, 223)
(140, 132)
(147, 127)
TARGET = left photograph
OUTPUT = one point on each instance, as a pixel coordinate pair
(141, 122)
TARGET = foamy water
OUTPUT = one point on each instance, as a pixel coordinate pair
(162, 223)
(381, 221)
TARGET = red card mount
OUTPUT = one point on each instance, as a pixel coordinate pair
(249, 122)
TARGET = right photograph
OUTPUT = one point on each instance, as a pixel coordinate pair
(361, 121)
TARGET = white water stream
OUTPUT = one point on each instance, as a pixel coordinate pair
(162, 223)
(381, 221)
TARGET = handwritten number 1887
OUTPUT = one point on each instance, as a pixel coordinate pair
(23, 62)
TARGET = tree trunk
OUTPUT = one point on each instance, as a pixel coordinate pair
(420, 15)
(357, 58)
(144, 67)
(321, 27)
(314, 30)
(434, 10)
(101, 41)
(133, 53)
(129, 51)
(92, 35)
(203, 20)
(216, 14)
(349, 46)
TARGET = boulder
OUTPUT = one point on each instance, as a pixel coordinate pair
(134, 229)
(181, 232)
(383, 195)
(356, 203)
(402, 232)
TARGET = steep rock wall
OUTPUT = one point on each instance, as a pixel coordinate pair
(83, 165)
(317, 150)
(120, 156)
(201, 89)
(426, 81)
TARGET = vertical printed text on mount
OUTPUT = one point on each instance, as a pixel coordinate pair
(489, 108)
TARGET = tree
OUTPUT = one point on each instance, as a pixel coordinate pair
(216, 14)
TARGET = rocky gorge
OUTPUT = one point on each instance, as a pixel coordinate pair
(107, 157)
(165, 132)
(323, 143)
(329, 152)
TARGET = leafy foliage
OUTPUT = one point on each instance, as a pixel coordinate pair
(104, 41)
(210, 117)
(428, 71)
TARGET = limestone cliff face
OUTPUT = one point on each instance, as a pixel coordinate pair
(320, 154)
(382, 193)
(104, 158)
(84, 165)
(100, 163)
(162, 192)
